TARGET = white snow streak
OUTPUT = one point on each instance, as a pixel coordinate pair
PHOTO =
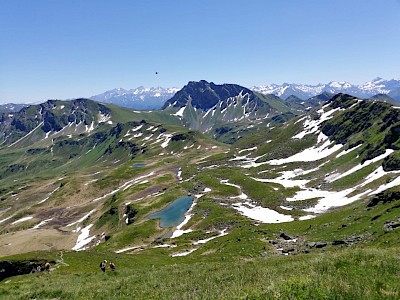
(42, 223)
(366, 163)
(29, 133)
(344, 152)
(261, 214)
(184, 253)
(83, 238)
(127, 249)
(310, 154)
(254, 212)
(83, 218)
(22, 220)
(248, 149)
(1, 221)
(222, 233)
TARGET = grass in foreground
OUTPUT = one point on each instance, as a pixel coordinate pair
(348, 274)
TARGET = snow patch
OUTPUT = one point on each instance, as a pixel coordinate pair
(42, 223)
(248, 149)
(261, 214)
(222, 233)
(307, 217)
(103, 118)
(310, 154)
(184, 253)
(179, 113)
(366, 163)
(83, 218)
(344, 152)
(384, 187)
(179, 175)
(1, 221)
(49, 195)
(166, 142)
(83, 238)
(22, 220)
(127, 249)
(286, 208)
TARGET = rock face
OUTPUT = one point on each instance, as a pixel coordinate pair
(384, 197)
(208, 107)
(205, 95)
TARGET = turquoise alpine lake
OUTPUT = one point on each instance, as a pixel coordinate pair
(174, 213)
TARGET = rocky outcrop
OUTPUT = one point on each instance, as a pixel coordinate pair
(384, 197)
(317, 244)
(392, 225)
(9, 268)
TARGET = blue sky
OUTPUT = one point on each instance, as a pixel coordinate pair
(58, 49)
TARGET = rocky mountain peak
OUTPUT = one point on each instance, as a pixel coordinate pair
(204, 95)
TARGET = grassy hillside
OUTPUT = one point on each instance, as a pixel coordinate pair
(346, 274)
(300, 210)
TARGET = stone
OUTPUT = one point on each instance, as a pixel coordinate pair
(320, 244)
(339, 242)
(285, 236)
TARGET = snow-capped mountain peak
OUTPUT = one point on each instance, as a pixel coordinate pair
(305, 91)
(138, 98)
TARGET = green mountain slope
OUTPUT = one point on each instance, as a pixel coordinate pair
(322, 189)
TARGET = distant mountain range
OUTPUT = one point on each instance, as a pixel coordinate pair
(140, 98)
(226, 112)
(11, 107)
(305, 91)
(154, 98)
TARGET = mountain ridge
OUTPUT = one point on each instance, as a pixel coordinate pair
(223, 111)
(140, 98)
(305, 91)
(154, 98)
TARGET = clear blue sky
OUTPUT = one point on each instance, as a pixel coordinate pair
(72, 48)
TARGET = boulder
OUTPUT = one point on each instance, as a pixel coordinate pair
(320, 244)
(339, 242)
(311, 245)
(288, 250)
(286, 236)
(391, 225)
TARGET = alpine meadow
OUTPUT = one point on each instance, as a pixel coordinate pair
(222, 149)
(254, 198)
